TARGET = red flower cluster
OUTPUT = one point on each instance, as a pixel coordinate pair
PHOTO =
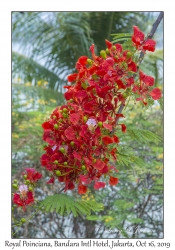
(140, 42)
(25, 195)
(79, 132)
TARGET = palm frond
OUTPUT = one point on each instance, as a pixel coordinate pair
(29, 70)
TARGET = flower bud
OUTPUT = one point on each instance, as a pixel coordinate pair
(83, 167)
(103, 54)
(107, 51)
(72, 143)
(113, 47)
(23, 220)
(15, 181)
(84, 85)
(27, 182)
(129, 54)
(15, 186)
(65, 115)
(65, 163)
(25, 176)
(100, 124)
(125, 95)
(30, 189)
(57, 172)
(94, 77)
(54, 117)
(71, 100)
(55, 162)
(65, 110)
(62, 150)
(55, 126)
(89, 61)
(85, 118)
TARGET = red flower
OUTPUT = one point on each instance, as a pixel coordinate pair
(148, 80)
(138, 36)
(123, 127)
(99, 185)
(107, 140)
(132, 66)
(72, 77)
(99, 164)
(80, 132)
(82, 60)
(46, 125)
(74, 118)
(107, 126)
(32, 175)
(143, 89)
(51, 180)
(156, 94)
(149, 45)
(70, 133)
(24, 197)
(138, 40)
(116, 139)
(82, 189)
(77, 155)
(108, 44)
(113, 181)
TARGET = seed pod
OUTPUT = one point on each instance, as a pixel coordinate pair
(103, 54)
(57, 172)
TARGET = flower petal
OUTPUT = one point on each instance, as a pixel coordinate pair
(156, 93)
(113, 181)
(99, 185)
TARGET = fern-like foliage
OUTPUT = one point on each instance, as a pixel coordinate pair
(126, 160)
(65, 204)
(120, 37)
(142, 135)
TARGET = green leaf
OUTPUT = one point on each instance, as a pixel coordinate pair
(94, 218)
(65, 204)
(142, 135)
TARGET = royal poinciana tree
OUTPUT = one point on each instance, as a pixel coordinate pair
(81, 136)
